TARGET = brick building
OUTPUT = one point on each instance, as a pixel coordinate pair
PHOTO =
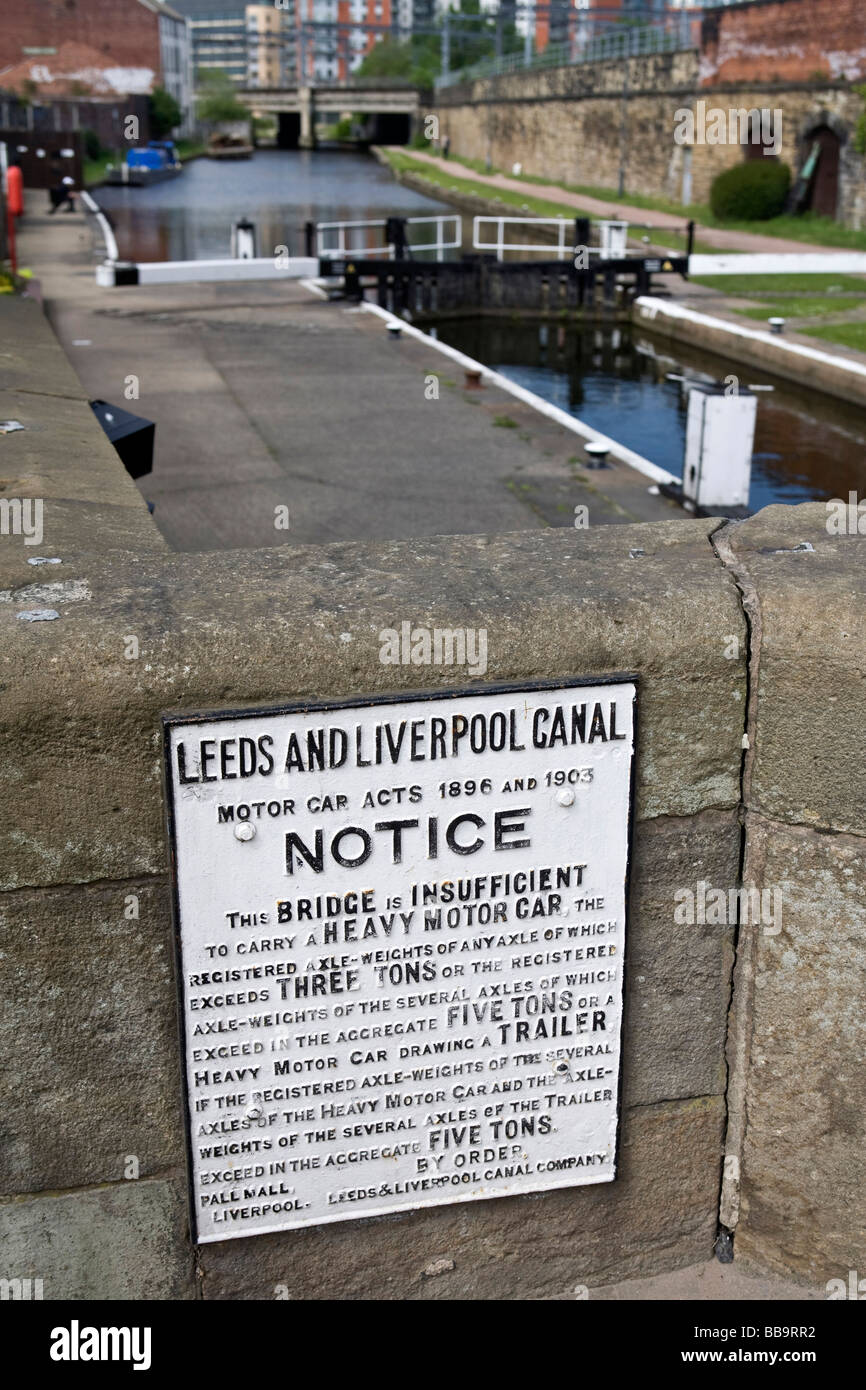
(95, 49)
(783, 41)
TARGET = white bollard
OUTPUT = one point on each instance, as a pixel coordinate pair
(244, 240)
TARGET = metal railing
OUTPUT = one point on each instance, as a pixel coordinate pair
(440, 242)
(390, 84)
(100, 224)
(392, 238)
(564, 245)
(349, 232)
(619, 43)
(336, 239)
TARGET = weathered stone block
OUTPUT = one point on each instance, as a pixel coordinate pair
(127, 1241)
(678, 977)
(810, 746)
(557, 122)
(803, 1170)
(89, 1036)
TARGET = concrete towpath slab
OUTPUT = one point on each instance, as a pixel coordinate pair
(283, 419)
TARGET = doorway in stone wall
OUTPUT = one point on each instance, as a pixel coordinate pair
(824, 188)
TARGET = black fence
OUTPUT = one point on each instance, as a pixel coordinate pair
(46, 157)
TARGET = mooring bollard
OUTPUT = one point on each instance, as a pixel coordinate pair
(244, 240)
(777, 325)
(598, 452)
(472, 380)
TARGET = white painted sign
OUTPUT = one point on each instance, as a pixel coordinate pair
(401, 934)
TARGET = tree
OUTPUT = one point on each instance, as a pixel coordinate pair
(165, 113)
(388, 58)
(418, 59)
(217, 98)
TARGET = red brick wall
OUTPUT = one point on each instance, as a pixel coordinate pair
(123, 31)
(785, 40)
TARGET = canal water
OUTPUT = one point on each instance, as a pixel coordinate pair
(808, 447)
(190, 218)
(618, 380)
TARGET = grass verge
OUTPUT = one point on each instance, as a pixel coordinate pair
(807, 227)
(508, 198)
(850, 335)
(793, 308)
(768, 285)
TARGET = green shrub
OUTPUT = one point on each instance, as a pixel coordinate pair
(92, 144)
(165, 114)
(859, 141)
(752, 191)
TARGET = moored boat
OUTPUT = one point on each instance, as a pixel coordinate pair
(229, 147)
(156, 161)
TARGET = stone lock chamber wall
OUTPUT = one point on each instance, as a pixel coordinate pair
(729, 628)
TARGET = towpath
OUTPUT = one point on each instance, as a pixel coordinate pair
(718, 237)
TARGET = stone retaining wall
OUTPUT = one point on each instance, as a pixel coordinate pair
(594, 123)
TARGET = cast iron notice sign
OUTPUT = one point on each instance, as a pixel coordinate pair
(401, 936)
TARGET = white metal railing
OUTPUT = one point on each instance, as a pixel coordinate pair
(347, 238)
(563, 247)
(111, 252)
(440, 242)
(366, 239)
(326, 230)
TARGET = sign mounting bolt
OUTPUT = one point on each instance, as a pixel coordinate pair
(245, 831)
(566, 797)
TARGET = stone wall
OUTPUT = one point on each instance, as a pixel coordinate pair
(730, 631)
(574, 124)
(589, 123)
(797, 1096)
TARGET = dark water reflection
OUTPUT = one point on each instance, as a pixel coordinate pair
(190, 217)
(807, 446)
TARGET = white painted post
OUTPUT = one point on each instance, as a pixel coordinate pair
(720, 438)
